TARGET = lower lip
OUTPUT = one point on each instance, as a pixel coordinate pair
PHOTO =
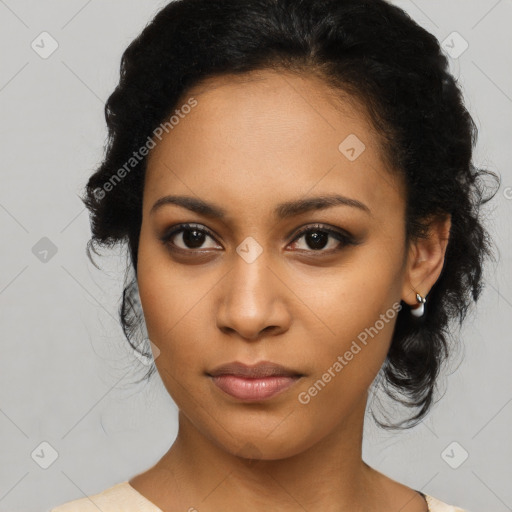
(251, 390)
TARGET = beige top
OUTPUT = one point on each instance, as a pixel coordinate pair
(123, 497)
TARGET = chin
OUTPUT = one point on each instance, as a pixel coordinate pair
(261, 446)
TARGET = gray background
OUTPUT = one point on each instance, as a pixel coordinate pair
(66, 374)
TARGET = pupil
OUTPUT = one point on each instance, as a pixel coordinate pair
(193, 241)
(315, 240)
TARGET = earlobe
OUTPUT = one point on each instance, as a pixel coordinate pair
(425, 262)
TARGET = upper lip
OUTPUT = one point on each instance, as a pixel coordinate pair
(258, 370)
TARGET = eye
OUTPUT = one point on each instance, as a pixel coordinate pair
(191, 237)
(316, 238)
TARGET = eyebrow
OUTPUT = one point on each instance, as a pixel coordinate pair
(282, 211)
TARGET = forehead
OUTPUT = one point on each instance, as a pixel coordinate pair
(268, 135)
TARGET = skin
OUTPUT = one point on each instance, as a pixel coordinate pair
(251, 143)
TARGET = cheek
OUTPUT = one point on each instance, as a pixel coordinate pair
(173, 313)
(358, 312)
(171, 303)
(345, 367)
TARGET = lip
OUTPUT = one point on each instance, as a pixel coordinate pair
(257, 382)
(255, 371)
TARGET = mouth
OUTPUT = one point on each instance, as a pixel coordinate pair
(253, 383)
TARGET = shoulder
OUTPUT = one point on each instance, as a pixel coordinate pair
(435, 505)
(121, 497)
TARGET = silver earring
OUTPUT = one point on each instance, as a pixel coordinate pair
(420, 309)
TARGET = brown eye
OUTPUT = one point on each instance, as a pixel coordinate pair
(188, 237)
(316, 238)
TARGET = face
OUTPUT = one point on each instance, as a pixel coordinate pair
(268, 272)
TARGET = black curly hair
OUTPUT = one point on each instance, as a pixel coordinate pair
(372, 51)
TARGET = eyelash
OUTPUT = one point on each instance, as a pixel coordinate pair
(344, 239)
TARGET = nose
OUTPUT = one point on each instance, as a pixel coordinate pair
(253, 301)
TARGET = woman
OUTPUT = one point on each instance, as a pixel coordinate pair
(294, 180)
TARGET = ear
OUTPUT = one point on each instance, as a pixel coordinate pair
(425, 260)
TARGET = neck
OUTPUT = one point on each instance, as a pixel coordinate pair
(208, 477)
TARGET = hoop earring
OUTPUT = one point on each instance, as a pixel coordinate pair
(419, 310)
